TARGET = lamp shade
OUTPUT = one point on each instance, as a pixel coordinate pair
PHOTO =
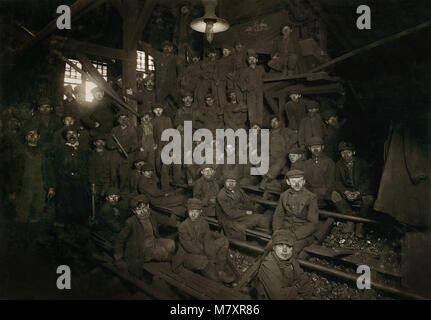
(209, 22)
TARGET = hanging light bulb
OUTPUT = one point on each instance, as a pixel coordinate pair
(209, 23)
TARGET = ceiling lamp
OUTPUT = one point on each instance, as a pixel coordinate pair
(209, 23)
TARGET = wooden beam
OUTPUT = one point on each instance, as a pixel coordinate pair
(88, 48)
(143, 18)
(119, 6)
(51, 27)
(373, 45)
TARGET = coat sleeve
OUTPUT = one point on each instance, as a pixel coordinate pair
(312, 219)
(270, 280)
(339, 183)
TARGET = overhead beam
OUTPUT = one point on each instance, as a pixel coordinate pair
(372, 45)
(88, 48)
(143, 18)
(75, 9)
(118, 5)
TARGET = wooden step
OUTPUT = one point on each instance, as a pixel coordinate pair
(193, 284)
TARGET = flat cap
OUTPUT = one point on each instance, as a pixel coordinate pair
(194, 203)
(294, 174)
(312, 104)
(328, 113)
(43, 100)
(345, 145)
(283, 236)
(313, 141)
(141, 198)
(296, 150)
(112, 191)
(251, 53)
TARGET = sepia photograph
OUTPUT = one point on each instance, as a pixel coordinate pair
(231, 151)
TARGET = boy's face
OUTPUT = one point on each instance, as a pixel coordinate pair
(146, 118)
(232, 96)
(32, 138)
(187, 100)
(98, 95)
(68, 121)
(99, 144)
(238, 46)
(167, 49)
(293, 157)
(295, 97)
(123, 121)
(275, 123)
(333, 121)
(286, 30)
(316, 149)
(209, 101)
(208, 173)
(112, 199)
(230, 184)
(142, 210)
(72, 136)
(283, 251)
(45, 109)
(195, 59)
(252, 60)
(194, 213)
(158, 111)
(347, 155)
(296, 183)
(149, 84)
(212, 56)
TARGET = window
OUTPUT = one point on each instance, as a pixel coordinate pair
(73, 77)
(144, 63)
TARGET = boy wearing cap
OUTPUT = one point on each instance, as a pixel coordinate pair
(280, 277)
(112, 215)
(352, 185)
(319, 171)
(160, 123)
(146, 98)
(224, 74)
(187, 110)
(47, 123)
(250, 81)
(234, 112)
(312, 125)
(237, 211)
(297, 210)
(206, 189)
(146, 141)
(200, 249)
(210, 116)
(139, 240)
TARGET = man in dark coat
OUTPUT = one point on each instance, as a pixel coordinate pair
(139, 241)
(311, 126)
(47, 123)
(250, 81)
(280, 277)
(206, 189)
(34, 184)
(297, 211)
(200, 249)
(352, 185)
(237, 211)
(319, 172)
(71, 172)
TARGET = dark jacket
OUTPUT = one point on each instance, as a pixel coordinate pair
(204, 190)
(320, 176)
(299, 210)
(234, 204)
(358, 180)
